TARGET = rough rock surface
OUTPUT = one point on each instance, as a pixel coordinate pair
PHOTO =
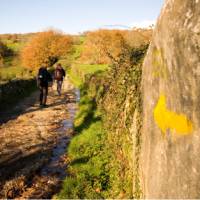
(170, 161)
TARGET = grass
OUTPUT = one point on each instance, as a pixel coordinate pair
(13, 72)
(15, 46)
(91, 69)
(74, 55)
(89, 176)
(89, 158)
(102, 161)
(16, 82)
(12, 68)
(78, 72)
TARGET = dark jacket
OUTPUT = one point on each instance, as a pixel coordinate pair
(43, 77)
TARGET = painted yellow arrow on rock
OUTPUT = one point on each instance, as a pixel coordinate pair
(167, 119)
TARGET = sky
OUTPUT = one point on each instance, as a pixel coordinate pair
(76, 16)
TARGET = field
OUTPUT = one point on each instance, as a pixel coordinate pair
(11, 68)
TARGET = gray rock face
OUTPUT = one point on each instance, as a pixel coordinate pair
(170, 154)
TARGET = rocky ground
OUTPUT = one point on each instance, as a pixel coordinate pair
(33, 145)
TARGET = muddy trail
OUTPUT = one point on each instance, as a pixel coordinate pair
(33, 145)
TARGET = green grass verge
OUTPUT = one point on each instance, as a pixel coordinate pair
(104, 161)
(89, 175)
(78, 72)
(88, 169)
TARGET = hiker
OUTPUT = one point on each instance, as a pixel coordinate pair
(59, 75)
(43, 79)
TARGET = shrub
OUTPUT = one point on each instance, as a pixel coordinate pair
(4, 50)
(45, 48)
(108, 46)
(100, 45)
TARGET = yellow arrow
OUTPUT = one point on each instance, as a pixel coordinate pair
(167, 119)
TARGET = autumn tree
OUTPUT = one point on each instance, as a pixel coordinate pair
(45, 48)
(138, 37)
(102, 45)
(106, 46)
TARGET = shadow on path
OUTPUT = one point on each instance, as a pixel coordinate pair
(31, 104)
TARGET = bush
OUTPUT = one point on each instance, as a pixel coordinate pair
(100, 45)
(108, 46)
(45, 49)
(5, 51)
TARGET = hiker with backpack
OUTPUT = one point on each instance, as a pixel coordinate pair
(43, 80)
(59, 75)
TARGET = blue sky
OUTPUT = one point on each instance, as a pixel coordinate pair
(74, 16)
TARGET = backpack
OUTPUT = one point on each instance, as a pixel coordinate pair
(43, 77)
(58, 74)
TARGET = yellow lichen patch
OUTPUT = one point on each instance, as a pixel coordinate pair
(166, 119)
(159, 65)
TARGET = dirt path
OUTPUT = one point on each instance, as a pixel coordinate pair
(33, 143)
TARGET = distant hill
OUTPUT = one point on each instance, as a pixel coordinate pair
(116, 26)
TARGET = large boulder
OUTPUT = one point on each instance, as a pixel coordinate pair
(170, 152)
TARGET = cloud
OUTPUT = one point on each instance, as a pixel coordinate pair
(115, 26)
(142, 24)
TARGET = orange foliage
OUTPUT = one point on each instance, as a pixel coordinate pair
(104, 46)
(100, 45)
(45, 48)
(138, 37)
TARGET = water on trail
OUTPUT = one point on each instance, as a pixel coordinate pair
(48, 181)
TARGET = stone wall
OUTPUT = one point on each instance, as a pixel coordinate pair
(12, 91)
